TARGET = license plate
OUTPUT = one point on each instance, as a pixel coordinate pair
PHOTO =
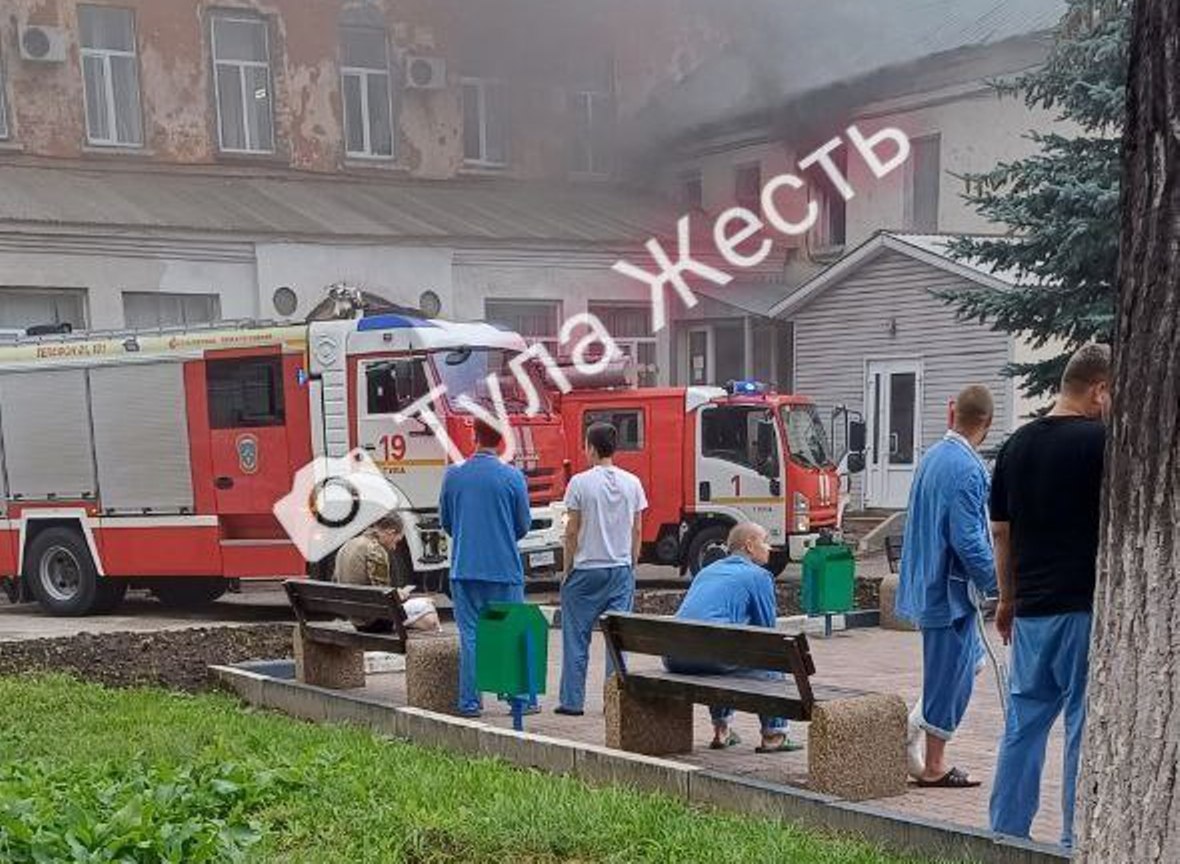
(543, 559)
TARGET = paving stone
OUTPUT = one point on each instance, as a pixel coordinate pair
(856, 747)
(323, 665)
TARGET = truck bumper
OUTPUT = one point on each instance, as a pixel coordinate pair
(541, 551)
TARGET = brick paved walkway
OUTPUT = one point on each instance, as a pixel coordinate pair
(871, 659)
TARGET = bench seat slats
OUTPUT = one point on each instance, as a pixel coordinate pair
(325, 633)
(779, 698)
(362, 602)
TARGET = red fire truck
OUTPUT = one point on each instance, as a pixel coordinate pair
(711, 457)
(154, 458)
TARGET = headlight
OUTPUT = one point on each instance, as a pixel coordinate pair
(801, 516)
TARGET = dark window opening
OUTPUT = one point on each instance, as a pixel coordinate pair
(245, 392)
(394, 385)
(744, 436)
(628, 423)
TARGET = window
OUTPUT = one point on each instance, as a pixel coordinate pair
(747, 187)
(27, 307)
(535, 320)
(692, 190)
(922, 184)
(485, 130)
(631, 328)
(368, 92)
(594, 119)
(245, 392)
(806, 440)
(729, 352)
(829, 231)
(241, 68)
(110, 76)
(742, 435)
(698, 357)
(464, 372)
(627, 421)
(161, 309)
(393, 385)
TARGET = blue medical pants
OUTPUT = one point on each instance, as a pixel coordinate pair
(949, 658)
(470, 597)
(586, 594)
(721, 714)
(1050, 659)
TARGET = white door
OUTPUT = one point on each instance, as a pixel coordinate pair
(893, 394)
(408, 452)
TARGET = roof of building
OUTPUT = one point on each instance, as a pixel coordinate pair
(240, 205)
(928, 248)
(792, 48)
(748, 295)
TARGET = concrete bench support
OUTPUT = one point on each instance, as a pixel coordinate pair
(325, 665)
(856, 747)
(432, 673)
(889, 619)
(654, 727)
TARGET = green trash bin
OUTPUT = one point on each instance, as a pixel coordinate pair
(511, 650)
(829, 579)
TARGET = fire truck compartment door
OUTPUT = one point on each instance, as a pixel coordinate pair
(408, 452)
(45, 417)
(141, 438)
(739, 458)
(247, 416)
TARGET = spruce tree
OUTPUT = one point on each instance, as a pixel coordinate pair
(1060, 206)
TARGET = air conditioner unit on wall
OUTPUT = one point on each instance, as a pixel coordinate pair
(42, 44)
(425, 73)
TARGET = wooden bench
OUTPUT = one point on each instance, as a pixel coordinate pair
(856, 745)
(328, 654)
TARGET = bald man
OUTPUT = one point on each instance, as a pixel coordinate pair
(735, 590)
(947, 547)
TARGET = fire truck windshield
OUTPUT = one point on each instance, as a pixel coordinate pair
(806, 440)
(465, 372)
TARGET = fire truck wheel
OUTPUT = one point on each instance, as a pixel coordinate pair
(190, 593)
(707, 546)
(62, 576)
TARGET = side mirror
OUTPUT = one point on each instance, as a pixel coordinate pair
(857, 437)
(776, 488)
(856, 462)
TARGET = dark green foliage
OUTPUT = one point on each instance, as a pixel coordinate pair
(1061, 205)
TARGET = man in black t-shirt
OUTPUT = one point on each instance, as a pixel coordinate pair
(1045, 509)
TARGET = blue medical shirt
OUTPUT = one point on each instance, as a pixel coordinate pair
(484, 507)
(947, 540)
(733, 590)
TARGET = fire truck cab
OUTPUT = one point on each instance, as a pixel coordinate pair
(709, 458)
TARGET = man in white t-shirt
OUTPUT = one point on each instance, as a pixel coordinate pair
(602, 539)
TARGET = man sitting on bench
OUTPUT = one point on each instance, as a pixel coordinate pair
(364, 560)
(735, 590)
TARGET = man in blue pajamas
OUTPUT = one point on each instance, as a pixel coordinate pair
(947, 548)
(1045, 512)
(735, 590)
(484, 507)
(602, 540)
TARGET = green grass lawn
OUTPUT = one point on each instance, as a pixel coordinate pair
(90, 774)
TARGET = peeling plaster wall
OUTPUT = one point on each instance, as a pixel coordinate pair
(543, 52)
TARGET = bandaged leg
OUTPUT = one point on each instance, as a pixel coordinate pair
(915, 741)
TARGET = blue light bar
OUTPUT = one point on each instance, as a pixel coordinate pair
(747, 388)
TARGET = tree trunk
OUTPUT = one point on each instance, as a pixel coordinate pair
(1130, 786)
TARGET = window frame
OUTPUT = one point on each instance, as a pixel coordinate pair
(693, 177)
(599, 163)
(646, 374)
(158, 296)
(104, 55)
(752, 203)
(550, 341)
(912, 173)
(241, 65)
(278, 407)
(746, 411)
(606, 415)
(482, 85)
(367, 365)
(364, 73)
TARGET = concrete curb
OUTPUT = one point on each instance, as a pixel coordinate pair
(600, 766)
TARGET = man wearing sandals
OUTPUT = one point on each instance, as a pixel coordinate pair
(735, 590)
(946, 548)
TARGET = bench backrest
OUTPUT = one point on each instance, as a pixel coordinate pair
(365, 602)
(721, 644)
